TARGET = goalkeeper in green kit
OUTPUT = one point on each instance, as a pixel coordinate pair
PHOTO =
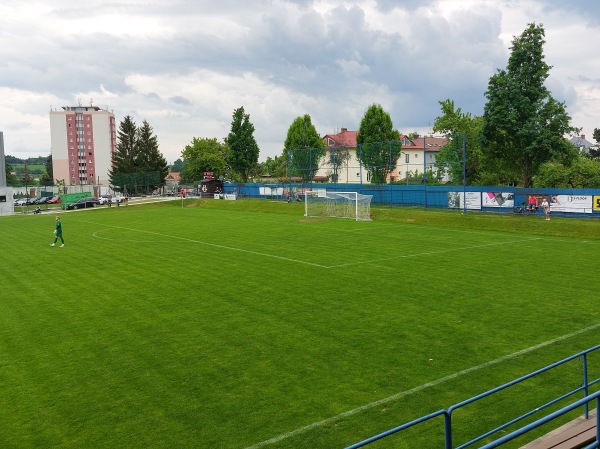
(58, 232)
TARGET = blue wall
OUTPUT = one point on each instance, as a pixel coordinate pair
(417, 195)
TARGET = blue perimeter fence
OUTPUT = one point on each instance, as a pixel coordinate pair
(498, 199)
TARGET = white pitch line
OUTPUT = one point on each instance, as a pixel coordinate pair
(428, 253)
(214, 245)
(405, 393)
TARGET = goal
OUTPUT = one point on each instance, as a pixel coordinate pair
(320, 203)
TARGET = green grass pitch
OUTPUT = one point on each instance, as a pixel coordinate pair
(242, 324)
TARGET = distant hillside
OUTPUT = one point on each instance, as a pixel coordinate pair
(12, 160)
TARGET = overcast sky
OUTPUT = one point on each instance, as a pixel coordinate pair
(185, 65)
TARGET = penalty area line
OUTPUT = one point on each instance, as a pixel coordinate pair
(424, 386)
(213, 245)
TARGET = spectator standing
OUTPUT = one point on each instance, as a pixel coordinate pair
(546, 208)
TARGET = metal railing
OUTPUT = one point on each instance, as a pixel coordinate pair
(447, 413)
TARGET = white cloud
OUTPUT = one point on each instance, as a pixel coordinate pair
(186, 65)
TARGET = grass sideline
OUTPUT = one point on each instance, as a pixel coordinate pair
(227, 324)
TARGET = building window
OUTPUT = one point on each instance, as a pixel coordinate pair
(406, 158)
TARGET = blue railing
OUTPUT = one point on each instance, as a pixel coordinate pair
(447, 413)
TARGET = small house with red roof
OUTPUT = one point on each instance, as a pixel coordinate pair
(172, 181)
(341, 163)
(418, 156)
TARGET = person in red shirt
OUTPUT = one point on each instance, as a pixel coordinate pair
(532, 205)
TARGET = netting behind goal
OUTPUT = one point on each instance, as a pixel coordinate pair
(320, 203)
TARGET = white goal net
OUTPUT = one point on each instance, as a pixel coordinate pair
(320, 203)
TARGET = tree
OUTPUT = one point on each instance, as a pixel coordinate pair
(380, 145)
(596, 135)
(27, 178)
(275, 167)
(243, 149)
(148, 158)
(201, 156)
(49, 169)
(124, 160)
(459, 126)
(177, 165)
(137, 164)
(523, 125)
(303, 148)
(11, 180)
(582, 173)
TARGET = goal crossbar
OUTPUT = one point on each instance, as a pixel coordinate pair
(321, 203)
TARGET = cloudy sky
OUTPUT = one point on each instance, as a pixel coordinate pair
(185, 65)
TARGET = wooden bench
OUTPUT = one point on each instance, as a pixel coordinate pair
(576, 434)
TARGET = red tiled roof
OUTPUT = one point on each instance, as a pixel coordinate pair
(174, 175)
(344, 138)
(347, 138)
(430, 143)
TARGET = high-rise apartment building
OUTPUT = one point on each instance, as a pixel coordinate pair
(82, 140)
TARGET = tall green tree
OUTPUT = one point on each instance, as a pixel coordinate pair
(138, 165)
(243, 149)
(49, 169)
(380, 145)
(303, 148)
(203, 155)
(148, 158)
(459, 126)
(523, 125)
(124, 160)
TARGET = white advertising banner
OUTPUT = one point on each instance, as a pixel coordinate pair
(457, 200)
(498, 199)
(582, 204)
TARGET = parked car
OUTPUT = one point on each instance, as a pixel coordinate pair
(36, 200)
(84, 203)
(105, 199)
(20, 202)
(54, 200)
(43, 200)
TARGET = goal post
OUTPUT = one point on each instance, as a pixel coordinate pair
(321, 203)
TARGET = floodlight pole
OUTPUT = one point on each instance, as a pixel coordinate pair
(464, 154)
(425, 169)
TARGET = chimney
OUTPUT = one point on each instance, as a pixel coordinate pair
(344, 130)
(583, 136)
